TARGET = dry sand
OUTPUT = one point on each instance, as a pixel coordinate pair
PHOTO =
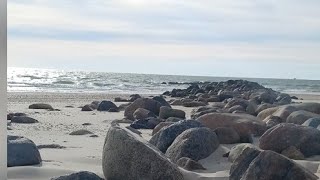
(84, 152)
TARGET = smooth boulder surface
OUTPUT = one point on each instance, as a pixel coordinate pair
(87, 107)
(164, 138)
(106, 106)
(41, 106)
(284, 135)
(128, 156)
(82, 175)
(145, 103)
(299, 117)
(244, 124)
(227, 135)
(312, 122)
(23, 120)
(141, 113)
(194, 143)
(271, 165)
(22, 152)
(166, 112)
(160, 126)
(237, 150)
(194, 104)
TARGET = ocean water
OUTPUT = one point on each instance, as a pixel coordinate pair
(48, 80)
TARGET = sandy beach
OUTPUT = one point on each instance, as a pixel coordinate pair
(85, 152)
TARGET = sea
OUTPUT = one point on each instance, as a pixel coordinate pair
(53, 80)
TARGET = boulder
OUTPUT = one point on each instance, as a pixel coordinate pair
(252, 107)
(141, 113)
(166, 112)
(267, 112)
(244, 124)
(80, 132)
(284, 135)
(147, 123)
(284, 111)
(312, 122)
(270, 165)
(82, 175)
(22, 152)
(237, 150)
(23, 120)
(193, 104)
(272, 121)
(227, 135)
(242, 161)
(293, 153)
(145, 103)
(162, 101)
(164, 138)
(311, 107)
(87, 107)
(113, 110)
(160, 126)
(40, 106)
(236, 108)
(194, 143)
(237, 101)
(106, 105)
(173, 119)
(264, 106)
(134, 97)
(299, 117)
(189, 164)
(11, 115)
(128, 156)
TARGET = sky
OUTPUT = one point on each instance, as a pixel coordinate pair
(247, 38)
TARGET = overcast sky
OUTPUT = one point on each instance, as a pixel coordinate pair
(247, 38)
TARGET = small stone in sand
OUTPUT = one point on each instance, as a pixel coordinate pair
(86, 124)
(80, 132)
(23, 120)
(50, 146)
(85, 175)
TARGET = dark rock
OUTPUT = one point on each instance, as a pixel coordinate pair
(87, 107)
(236, 108)
(93, 136)
(145, 103)
(193, 104)
(166, 112)
(227, 135)
(113, 110)
(160, 126)
(134, 97)
(312, 122)
(23, 120)
(11, 115)
(22, 152)
(293, 153)
(40, 106)
(86, 124)
(162, 101)
(141, 113)
(294, 97)
(272, 121)
(194, 143)
(270, 165)
(237, 151)
(119, 161)
(80, 132)
(189, 164)
(164, 138)
(82, 175)
(119, 99)
(173, 119)
(106, 105)
(50, 146)
(147, 123)
(282, 136)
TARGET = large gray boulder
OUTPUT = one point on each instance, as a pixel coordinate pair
(194, 143)
(164, 138)
(270, 165)
(145, 103)
(23, 120)
(82, 175)
(166, 112)
(141, 113)
(22, 152)
(237, 150)
(299, 117)
(162, 101)
(282, 136)
(128, 156)
(227, 135)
